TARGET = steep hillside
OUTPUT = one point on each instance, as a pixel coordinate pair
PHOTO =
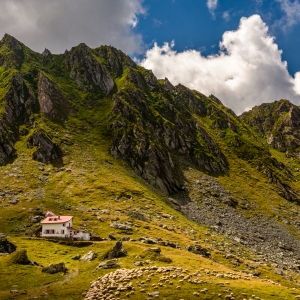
(89, 133)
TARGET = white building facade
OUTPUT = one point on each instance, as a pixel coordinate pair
(62, 227)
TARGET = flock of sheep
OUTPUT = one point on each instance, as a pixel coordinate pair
(140, 283)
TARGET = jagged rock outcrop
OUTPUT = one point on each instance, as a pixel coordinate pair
(19, 103)
(115, 60)
(47, 151)
(52, 102)
(278, 123)
(148, 132)
(117, 251)
(11, 52)
(87, 71)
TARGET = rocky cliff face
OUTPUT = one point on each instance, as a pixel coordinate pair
(52, 102)
(153, 136)
(87, 71)
(47, 151)
(278, 123)
(19, 103)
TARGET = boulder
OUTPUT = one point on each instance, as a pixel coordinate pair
(6, 246)
(148, 240)
(121, 226)
(109, 264)
(76, 257)
(20, 258)
(198, 250)
(138, 216)
(118, 250)
(89, 256)
(55, 268)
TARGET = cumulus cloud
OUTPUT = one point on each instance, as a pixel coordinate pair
(61, 24)
(247, 71)
(212, 5)
(291, 11)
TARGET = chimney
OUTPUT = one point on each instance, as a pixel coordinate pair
(58, 217)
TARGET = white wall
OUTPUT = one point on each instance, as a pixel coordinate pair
(56, 227)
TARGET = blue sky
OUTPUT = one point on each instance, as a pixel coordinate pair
(192, 26)
(245, 52)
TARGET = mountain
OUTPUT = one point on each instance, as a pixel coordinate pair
(91, 134)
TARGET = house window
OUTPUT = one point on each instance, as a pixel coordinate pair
(50, 219)
(75, 232)
(46, 231)
(62, 232)
(64, 224)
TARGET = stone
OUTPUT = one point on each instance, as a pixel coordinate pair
(6, 246)
(13, 202)
(148, 240)
(55, 268)
(109, 264)
(278, 271)
(76, 257)
(138, 216)
(20, 258)
(89, 256)
(118, 250)
(121, 226)
(197, 249)
(112, 237)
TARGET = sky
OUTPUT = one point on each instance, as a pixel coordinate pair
(243, 52)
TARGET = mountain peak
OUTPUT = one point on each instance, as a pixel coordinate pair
(11, 42)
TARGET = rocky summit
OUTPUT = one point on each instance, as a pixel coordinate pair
(182, 197)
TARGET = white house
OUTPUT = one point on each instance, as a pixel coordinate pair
(62, 227)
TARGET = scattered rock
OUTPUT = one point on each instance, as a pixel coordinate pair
(117, 251)
(278, 271)
(198, 250)
(112, 237)
(121, 226)
(76, 257)
(55, 268)
(148, 240)
(88, 256)
(20, 258)
(6, 246)
(109, 264)
(138, 216)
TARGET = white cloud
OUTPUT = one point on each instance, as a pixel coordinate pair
(226, 16)
(212, 5)
(61, 24)
(247, 71)
(292, 13)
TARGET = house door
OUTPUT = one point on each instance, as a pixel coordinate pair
(70, 234)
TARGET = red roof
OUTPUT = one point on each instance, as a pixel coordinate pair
(49, 214)
(56, 219)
